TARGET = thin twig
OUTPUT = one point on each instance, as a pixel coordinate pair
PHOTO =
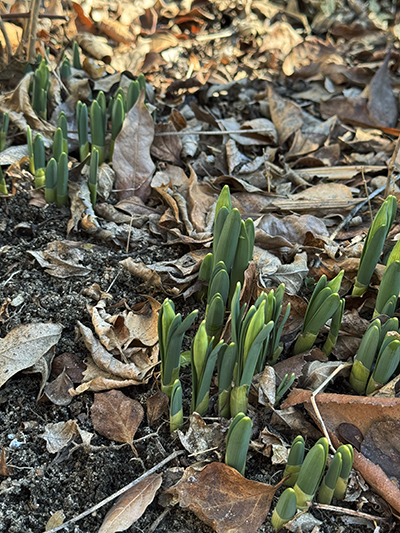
(53, 70)
(356, 209)
(129, 234)
(343, 510)
(118, 493)
(33, 20)
(158, 521)
(16, 16)
(6, 40)
(226, 132)
(367, 195)
(314, 403)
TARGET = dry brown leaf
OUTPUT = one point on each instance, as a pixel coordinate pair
(286, 115)
(61, 259)
(131, 505)
(72, 365)
(95, 46)
(367, 414)
(316, 372)
(55, 520)
(166, 147)
(59, 435)
(24, 346)
(293, 228)
(267, 387)
(382, 104)
(57, 390)
(156, 406)
(115, 416)
(223, 499)
(171, 277)
(112, 366)
(201, 437)
(116, 31)
(131, 159)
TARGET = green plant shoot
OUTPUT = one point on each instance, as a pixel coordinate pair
(322, 306)
(175, 407)
(50, 192)
(171, 330)
(82, 119)
(94, 166)
(62, 180)
(373, 245)
(237, 442)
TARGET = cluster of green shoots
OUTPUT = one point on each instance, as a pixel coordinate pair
(40, 87)
(100, 111)
(255, 335)
(3, 136)
(54, 176)
(307, 477)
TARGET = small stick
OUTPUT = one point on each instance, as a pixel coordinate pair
(118, 493)
(6, 40)
(225, 132)
(16, 16)
(314, 404)
(33, 24)
(343, 510)
(367, 195)
(356, 209)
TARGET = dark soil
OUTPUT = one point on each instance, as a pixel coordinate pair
(77, 479)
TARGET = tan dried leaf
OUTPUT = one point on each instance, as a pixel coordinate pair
(57, 390)
(116, 416)
(131, 505)
(96, 46)
(224, 499)
(131, 159)
(24, 346)
(55, 520)
(61, 259)
(286, 115)
(167, 147)
(156, 406)
(59, 435)
(112, 366)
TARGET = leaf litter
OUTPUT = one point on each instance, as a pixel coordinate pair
(298, 113)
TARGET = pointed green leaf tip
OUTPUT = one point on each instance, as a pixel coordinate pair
(176, 410)
(295, 460)
(327, 488)
(347, 453)
(285, 509)
(389, 288)
(171, 330)
(323, 304)
(237, 442)
(365, 357)
(373, 245)
(311, 473)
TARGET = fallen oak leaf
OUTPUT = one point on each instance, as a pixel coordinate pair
(131, 505)
(224, 499)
